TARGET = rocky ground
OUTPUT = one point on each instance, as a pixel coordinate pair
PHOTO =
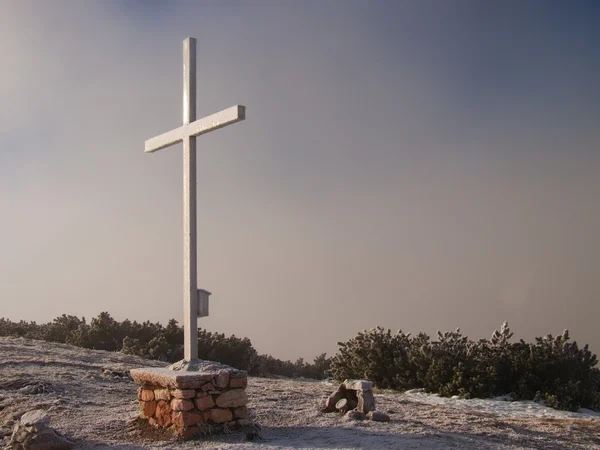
(93, 403)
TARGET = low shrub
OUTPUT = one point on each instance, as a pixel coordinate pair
(553, 369)
(163, 343)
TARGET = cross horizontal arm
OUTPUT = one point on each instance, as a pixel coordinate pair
(213, 122)
(165, 140)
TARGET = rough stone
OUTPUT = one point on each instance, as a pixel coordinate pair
(357, 393)
(179, 404)
(238, 382)
(162, 394)
(146, 395)
(358, 385)
(203, 403)
(178, 426)
(163, 414)
(192, 402)
(171, 379)
(232, 399)
(366, 401)
(48, 439)
(182, 419)
(378, 416)
(222, 380)
(335, 397)
(238, 374)
(185, 393)
(240, 412)
(33, 432)
(218, 415)
(352, 398)
(147, 409)
(243, 422)
(208, 387)
(38, 419)
(354, 415)
(20, 433)
(204, 366)
(189, 432)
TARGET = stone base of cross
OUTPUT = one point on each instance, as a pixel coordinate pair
(210, 399)
(195, 300)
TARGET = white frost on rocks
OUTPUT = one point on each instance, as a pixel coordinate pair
(199, 365)
(96, 412)
(32, 431)
(500, 406)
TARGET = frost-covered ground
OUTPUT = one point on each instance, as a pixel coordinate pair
(97, 409)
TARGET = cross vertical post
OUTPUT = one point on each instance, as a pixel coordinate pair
(187, 134)
(190, 285)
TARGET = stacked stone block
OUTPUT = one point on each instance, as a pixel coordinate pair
(358, 395)
(192, 402)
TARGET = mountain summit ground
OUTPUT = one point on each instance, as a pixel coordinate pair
(93, 402)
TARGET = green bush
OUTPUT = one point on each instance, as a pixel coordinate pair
(553, 369)
(162, 343)
(380, 356)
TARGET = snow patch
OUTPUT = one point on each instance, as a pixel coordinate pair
(499, 406)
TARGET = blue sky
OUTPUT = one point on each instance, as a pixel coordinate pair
(417, 165)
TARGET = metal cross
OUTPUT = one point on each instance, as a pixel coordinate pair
(187, 134)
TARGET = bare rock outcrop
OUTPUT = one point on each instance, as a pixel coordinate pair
(357, 393)
(33, 432)
(378, 416)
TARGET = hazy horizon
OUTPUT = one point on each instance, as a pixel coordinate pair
(415, 165)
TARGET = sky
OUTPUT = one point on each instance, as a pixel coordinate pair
(415, 165)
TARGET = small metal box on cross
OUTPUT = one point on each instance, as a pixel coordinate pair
(195, 300)
(203, 297)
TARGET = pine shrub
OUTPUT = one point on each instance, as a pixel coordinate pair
(553, 370)
(162, 343)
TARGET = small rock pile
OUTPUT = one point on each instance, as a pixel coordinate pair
(33, 431)
(192, 402)
(355, 401)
